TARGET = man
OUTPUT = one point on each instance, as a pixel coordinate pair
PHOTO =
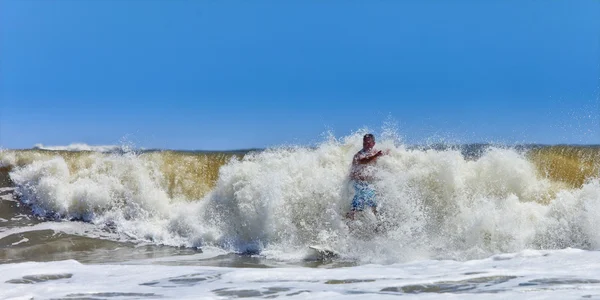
(362, 175)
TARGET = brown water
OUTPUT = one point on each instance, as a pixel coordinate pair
(193, 174)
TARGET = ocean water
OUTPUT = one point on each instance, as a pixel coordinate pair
(467, 221)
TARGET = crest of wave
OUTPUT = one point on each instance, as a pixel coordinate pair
(82, 147)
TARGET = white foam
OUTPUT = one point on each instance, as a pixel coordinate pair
(7, 194)
(72, 228)
(558, 274)
(80, 147)
(7, 158)
(23, 240)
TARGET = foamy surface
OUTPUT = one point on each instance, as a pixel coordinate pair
(557, 274)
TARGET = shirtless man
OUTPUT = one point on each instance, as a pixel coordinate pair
(362, 175)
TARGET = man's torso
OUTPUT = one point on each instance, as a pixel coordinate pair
(362, 172)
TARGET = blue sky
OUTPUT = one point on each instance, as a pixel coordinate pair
(241, 74)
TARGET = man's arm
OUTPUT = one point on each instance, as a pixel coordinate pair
(368, 159)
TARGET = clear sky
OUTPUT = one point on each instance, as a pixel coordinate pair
(219, 75)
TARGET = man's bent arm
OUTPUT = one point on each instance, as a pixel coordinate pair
(369, 159)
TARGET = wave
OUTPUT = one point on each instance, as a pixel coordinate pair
(434, 203)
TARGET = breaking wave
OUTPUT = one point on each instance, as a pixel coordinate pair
(434, 202)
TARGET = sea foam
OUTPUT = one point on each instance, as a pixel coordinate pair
(433, 203)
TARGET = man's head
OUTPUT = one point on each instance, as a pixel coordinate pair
(368, 141)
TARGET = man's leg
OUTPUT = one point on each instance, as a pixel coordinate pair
(374, 209)
(357, 201)
(350, 214)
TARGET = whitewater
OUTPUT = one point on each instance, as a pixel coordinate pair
(493, 221)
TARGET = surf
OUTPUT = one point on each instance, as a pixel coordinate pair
(440, 202)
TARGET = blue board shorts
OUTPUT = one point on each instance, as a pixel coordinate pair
(364, 195)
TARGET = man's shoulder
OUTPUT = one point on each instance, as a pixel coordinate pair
(361, 152)
(366, 152)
